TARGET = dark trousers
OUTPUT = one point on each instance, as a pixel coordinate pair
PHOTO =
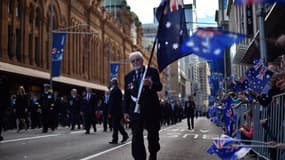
(190, 118)
(118, 127)
(138, 148)
(90, 119)
(75, 119)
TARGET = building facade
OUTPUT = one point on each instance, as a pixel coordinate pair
(25, 42)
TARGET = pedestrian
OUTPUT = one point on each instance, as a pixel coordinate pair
(190, 111)
(89, 109)
(48, 105)
(149, 116)
(104, 108)
(35, 109)
(4, 100)
(116, 113)
(74, 108)
(21, 108)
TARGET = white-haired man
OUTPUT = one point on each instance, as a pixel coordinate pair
(149, 116)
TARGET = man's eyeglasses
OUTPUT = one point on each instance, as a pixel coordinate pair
(136, 60)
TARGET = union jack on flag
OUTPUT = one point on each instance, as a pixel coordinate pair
(174, 5)
(261, 80)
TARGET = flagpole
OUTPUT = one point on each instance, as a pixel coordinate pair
(51, 41)
(263, 54)
(137, 107)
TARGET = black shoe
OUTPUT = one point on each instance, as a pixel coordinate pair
(1, 138)
(125, 138)
(87, 132)
(113, 142)
(95, 129)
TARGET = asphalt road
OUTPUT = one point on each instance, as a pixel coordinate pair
(177, 143)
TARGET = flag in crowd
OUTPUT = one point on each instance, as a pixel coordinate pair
(252, 72)
(228, 115)
(215, 83)
(261, 80)
(114, 70)
(171, 33)
(250, 2)
(224, 147)
(209, 43)
(57, 53)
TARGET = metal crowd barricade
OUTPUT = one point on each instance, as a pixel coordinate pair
(274, 112)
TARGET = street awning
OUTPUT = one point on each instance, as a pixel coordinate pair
(44, 75)
(274, 26)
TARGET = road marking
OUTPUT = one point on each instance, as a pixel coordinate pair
(29, 138)
(191, 134)
(106, 151)
(115, 148)
(75, 132)
(204, 136)
(204, 130)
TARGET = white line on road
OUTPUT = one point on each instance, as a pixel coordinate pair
(75, 132)
(114, 148)
(29, 138)
(106, 151)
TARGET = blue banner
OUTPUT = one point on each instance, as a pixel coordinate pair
(114, 70)
(57, 53)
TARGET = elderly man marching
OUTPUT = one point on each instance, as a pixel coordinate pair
(149, 116)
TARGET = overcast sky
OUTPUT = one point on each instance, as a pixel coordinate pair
(144, 9)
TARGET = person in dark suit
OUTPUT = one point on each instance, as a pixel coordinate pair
(89, 109)
(21, 108)
(190, 111)
(149, 116)
(48, 106)
(116, 113)
(74, 107)
(104, 107)
(4, 100)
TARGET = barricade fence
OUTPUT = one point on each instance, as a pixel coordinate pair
(272, 130)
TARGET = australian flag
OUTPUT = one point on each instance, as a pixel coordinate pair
(261, 80)
(252, 72)
(114, 70)
(209, 43)
(57, 53)
(224, 147)
(250, 2)
(171, 33)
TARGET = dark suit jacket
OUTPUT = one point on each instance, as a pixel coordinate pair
(89, 105)
(150, 106)
(190, 108)
(74, 104)
(115, 102)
